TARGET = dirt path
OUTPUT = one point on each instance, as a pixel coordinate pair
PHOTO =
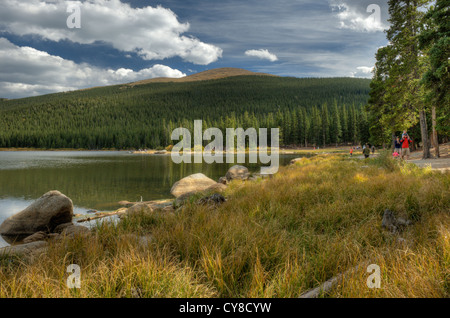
(442, 163)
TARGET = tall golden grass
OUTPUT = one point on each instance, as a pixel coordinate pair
(277, 237)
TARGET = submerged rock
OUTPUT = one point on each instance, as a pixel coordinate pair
(45, 214)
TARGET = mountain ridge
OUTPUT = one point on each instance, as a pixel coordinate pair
(217, 73)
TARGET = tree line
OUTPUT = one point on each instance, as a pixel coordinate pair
(309, 112)
(409, 89)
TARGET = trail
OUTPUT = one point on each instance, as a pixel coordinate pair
(441, 164)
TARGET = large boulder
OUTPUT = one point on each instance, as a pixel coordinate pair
(45, 214)
(193, 183)
(215, 188)
(237, 173)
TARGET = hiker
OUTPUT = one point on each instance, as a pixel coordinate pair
(405, 145)
(366, 151)
(373, 149)
(351, 152)
(397, 146)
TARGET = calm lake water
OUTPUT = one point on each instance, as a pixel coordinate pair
(94, 180)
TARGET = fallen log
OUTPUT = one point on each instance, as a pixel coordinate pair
(331, 283)
(101, 215)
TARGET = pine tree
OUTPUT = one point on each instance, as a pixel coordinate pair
(325, 125)
(406, 18)
(336, 129)
(436, 39)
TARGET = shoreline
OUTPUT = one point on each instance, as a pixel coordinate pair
(160, 245)
(56, 149)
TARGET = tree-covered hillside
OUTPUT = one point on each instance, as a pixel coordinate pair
(308, 111)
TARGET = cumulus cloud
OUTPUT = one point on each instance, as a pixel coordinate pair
(360, 16)
(152, 32)
(362, 71)
(25, 71)
(262, 54)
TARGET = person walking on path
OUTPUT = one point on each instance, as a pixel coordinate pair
(373, 149)
(405, 145)
(366, 151)
(397, 146)
(351, 152)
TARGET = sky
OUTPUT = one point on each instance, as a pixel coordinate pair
(49, 46)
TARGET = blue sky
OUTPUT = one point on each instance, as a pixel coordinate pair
(122, 41)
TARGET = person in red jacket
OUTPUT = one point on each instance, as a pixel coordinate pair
(405, 145)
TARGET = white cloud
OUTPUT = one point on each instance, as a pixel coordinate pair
(25, 71)
(262, 54)
(362, 71)
(358, 17)
(152, 32)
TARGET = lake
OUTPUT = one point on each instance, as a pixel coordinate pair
(94, 180)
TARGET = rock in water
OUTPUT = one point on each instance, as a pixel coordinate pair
(237, 173)
(193, 183)
(45, 214)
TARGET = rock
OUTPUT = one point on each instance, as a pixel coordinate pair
(75, 230)
(403, 222)
(217, 188)
(237, 173)
(139, 208)
(161, 152)
(61, 227)
(391, 223)
(223, 180)
(215, 199)
(23, 249)
(52, 236)
(193, 183)
(183, 198)
(45, 214)
(126, 203)
(38, 236)
(295, 160)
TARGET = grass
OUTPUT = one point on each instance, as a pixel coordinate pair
(274, 238)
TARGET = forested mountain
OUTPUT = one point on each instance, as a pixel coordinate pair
(309, 112)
